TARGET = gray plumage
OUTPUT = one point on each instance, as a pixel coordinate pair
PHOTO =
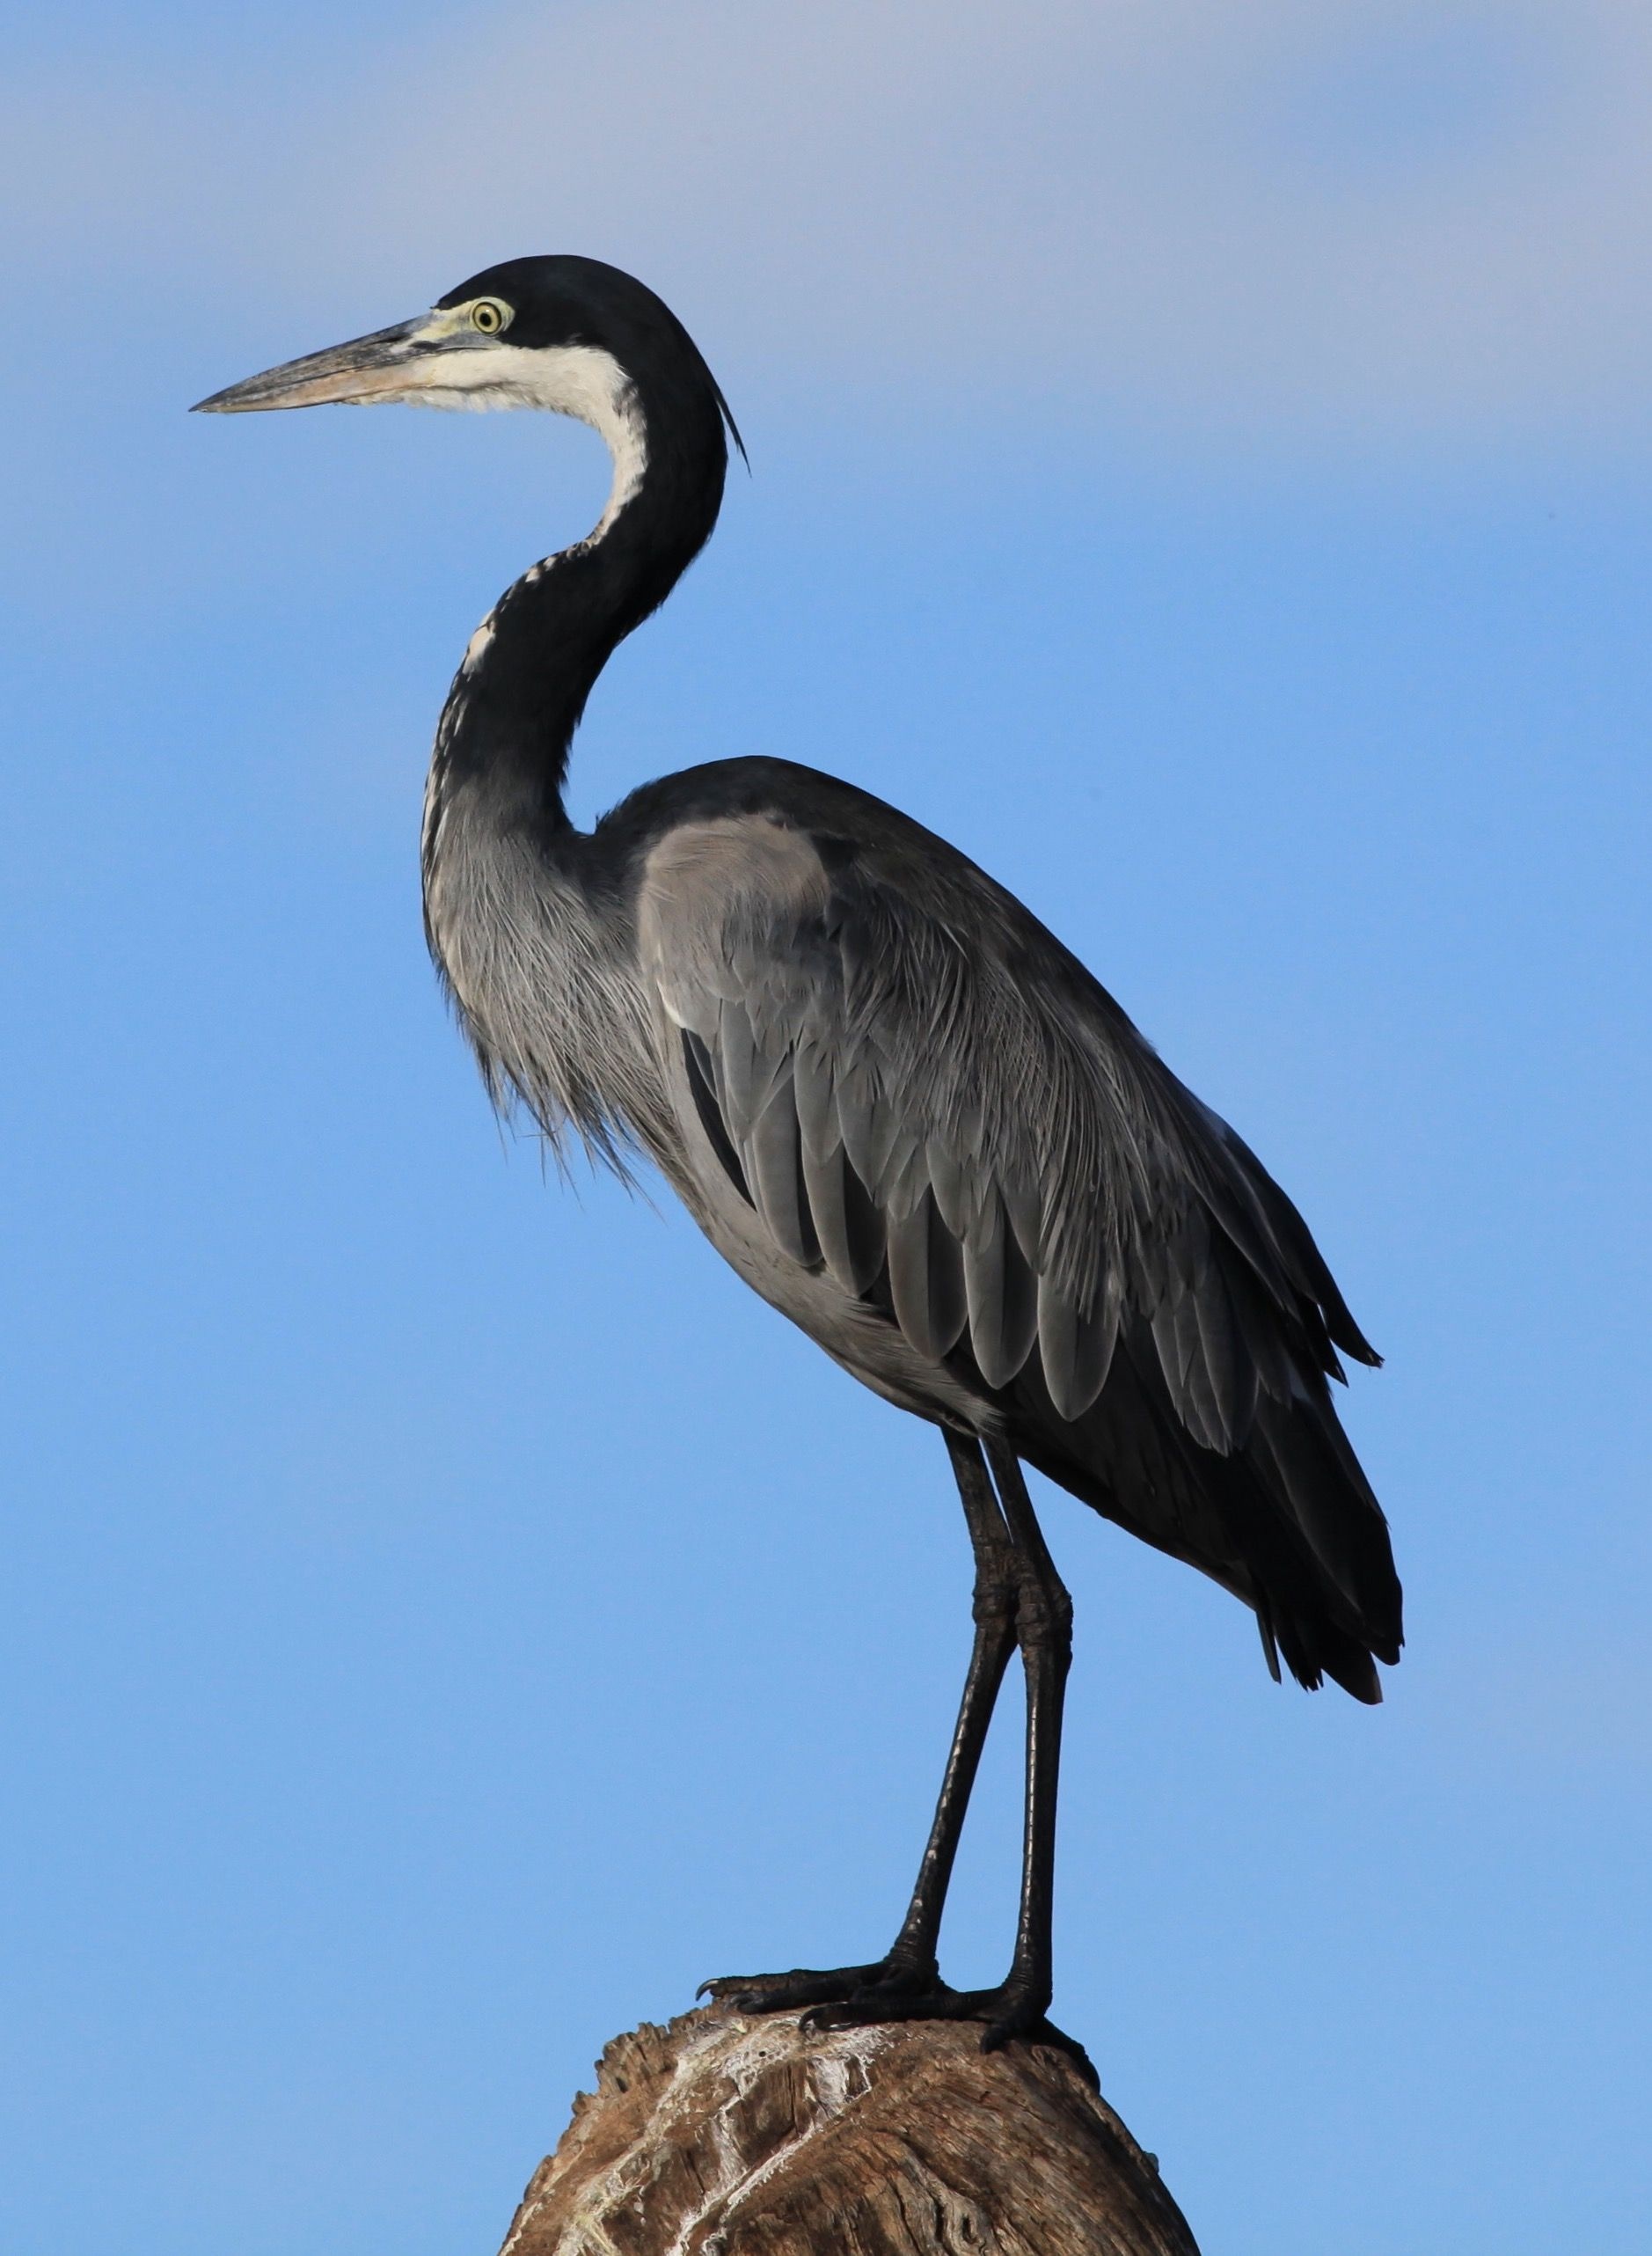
(919, 1128)
(903, 1111)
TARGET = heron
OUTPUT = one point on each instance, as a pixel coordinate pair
(908, 1116)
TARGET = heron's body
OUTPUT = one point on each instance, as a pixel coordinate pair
(597, 920)
(904, 1113)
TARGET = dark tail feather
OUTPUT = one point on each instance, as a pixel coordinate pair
(1286, 1523)
(1302, 1461)
(1270, 1642)
(1318, 1648)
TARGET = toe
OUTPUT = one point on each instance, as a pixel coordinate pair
(786, 1993)
(869, 2007)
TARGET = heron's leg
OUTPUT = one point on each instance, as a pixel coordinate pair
(1020, 2005)
(910, 1965)
(996, 1608)
(1044, 1629)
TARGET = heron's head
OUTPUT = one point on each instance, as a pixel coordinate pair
(565, 334)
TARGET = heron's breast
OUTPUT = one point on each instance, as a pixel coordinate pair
(546, 985)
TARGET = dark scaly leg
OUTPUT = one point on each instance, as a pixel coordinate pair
(1019, 1600)
(994, 1607)
(910, 1968)
(1018, 2006)
(1045, 1631)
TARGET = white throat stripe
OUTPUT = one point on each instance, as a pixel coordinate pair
(575, 380)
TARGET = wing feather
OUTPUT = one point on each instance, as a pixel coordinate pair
(776, 1173)
(927, 1280)
(1002, 1293)
(922, 1096)
(847, 1226)
(974, 1122)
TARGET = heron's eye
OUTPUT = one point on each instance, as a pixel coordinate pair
(490, 317)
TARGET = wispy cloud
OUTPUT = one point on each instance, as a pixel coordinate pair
(1368, 221)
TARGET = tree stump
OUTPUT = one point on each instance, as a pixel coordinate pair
(725, 2134)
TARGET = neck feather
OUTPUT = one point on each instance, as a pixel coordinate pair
(518, 696)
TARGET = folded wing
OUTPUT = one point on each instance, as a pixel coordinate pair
(920, 1092)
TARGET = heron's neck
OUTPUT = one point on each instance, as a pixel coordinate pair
(518, 696)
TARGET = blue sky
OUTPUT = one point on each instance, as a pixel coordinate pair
(1201, 464)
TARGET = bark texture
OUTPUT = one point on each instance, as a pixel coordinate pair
(724, 2135)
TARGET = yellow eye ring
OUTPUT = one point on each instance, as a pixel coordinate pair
(490, 317)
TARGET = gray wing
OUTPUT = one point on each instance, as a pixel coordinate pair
(918, 1090)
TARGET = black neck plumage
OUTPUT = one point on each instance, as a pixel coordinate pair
(518, 698)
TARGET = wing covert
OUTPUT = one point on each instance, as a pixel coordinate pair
(917, 1090)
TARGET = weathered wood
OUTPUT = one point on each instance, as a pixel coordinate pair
(725, 2136)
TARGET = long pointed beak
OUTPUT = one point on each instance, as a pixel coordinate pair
(388, 365)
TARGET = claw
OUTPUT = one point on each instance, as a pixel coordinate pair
(861, 1998)
(1007, 2020)
(810, 1987)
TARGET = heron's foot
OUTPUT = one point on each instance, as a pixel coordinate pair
(889, 1979)
(1008, 2013)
